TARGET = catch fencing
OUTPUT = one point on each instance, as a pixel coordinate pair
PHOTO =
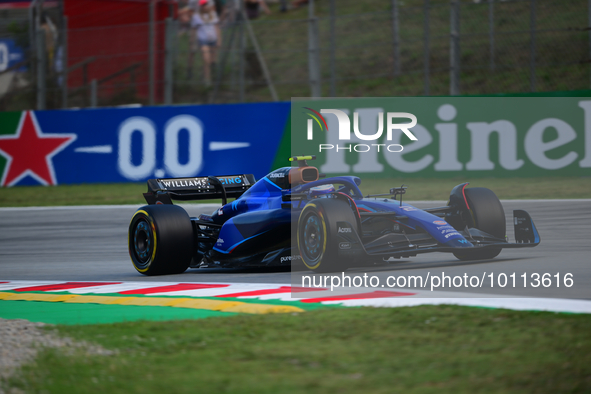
(323, 49)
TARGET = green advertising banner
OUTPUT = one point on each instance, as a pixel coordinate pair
(445, 136)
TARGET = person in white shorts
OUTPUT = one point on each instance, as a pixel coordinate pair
(208, 34)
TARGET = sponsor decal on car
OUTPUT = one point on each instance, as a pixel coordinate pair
(231, 180)
(202, 182)
(291, 258)
(345, 230)
(440, 222)
(451, 234)
(345, 245)
(196, 182)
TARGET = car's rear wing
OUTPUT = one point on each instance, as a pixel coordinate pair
(163, 191)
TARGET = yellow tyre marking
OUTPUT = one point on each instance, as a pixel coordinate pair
(190, 303)
(324, 230)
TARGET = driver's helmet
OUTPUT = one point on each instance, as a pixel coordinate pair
(322, 190)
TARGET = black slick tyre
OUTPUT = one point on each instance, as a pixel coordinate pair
(160, 240)
(317, 234)
(488, 215)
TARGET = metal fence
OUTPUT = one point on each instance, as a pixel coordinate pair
(327, 48)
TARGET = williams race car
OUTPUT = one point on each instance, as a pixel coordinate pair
(295, 214)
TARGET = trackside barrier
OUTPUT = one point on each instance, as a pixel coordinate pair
(135, 144)
(456, 136)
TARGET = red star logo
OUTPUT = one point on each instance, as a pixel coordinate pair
(29, 152)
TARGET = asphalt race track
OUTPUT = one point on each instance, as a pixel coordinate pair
(90, 244)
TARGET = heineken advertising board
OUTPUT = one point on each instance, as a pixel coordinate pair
(445, 136)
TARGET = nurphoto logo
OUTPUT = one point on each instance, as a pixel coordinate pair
(344, 131)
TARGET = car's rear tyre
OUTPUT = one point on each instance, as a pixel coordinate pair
(488, 215)
(160, 240)
(317, 234)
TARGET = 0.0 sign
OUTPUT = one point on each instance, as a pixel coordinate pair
(147, 165)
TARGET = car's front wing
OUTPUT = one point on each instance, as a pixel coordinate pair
(399, 245)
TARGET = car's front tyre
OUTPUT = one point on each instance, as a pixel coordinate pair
(488, 215)
(317, 234)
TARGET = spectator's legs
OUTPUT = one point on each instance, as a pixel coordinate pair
(192, 50)
(214, 60)
(207, 59)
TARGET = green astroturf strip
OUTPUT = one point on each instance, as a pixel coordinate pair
(66, 313)
(72, 314)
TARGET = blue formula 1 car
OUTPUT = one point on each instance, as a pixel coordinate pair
(294, 214)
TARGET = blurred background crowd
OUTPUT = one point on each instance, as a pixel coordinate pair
(91, 53)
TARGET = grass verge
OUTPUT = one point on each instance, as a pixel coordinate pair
(419, 189)
(361, 59)
(413, 350)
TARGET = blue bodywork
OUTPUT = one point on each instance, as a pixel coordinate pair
(261, 213)
(337, 221)
(255, 213)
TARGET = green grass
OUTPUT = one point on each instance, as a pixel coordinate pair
(364, 55)
(425, 349)
(419, 189)
(84, 194)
